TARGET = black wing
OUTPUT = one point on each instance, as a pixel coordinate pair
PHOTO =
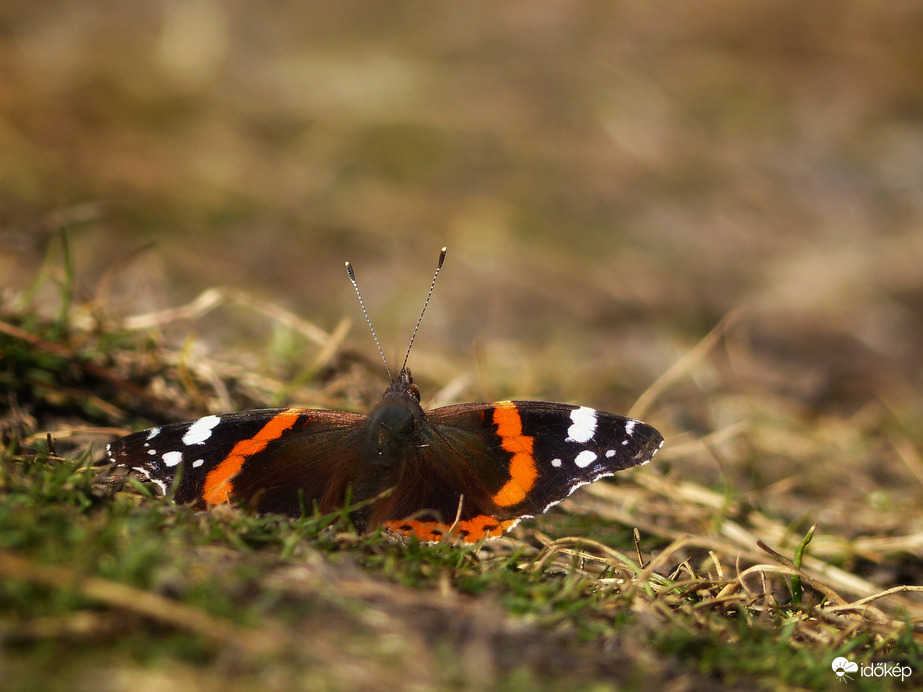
(274, 459)
(492, 464)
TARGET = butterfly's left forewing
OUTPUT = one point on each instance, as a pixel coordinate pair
(489, 465)
(276, 459)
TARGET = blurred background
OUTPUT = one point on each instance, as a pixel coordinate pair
(611, 180)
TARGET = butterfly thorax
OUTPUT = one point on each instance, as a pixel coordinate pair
(392, 428)
(391, 436)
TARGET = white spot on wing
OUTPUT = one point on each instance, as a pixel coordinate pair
(172, 458)
(201, 430)
(583, 425)
(630, 427)
(152, 452)
(197, 463)
(585, 458)
(610, 453)
(602, 474)
(152, 433)
(555, 462)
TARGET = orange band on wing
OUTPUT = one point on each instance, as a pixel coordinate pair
(523, 471)
(218, 486)
(470, 530)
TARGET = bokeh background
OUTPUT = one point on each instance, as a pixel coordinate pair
(611, 179)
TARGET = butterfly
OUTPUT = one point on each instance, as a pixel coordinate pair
(470, 470)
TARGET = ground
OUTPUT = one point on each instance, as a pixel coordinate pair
(708, 216)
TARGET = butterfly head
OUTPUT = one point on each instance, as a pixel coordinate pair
(403, 388)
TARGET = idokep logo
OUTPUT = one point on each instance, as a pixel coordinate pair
(842, 667)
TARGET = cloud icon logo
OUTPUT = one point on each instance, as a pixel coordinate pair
(841, 666)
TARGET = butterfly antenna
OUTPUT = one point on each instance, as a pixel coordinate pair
(428, 296)
(352, 277)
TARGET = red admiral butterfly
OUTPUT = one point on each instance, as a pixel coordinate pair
(473, 470)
